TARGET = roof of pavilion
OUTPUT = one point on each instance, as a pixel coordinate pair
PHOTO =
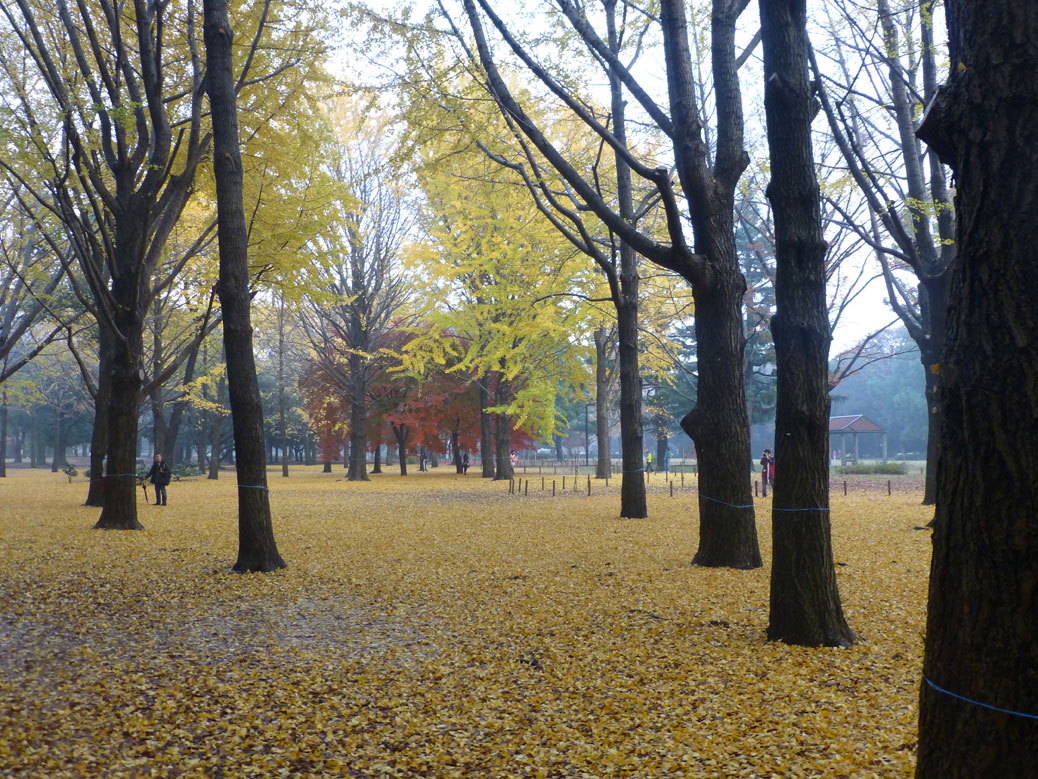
(853, 423)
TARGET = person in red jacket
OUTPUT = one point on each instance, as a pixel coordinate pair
(767, 470)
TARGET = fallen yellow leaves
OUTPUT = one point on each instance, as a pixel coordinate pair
(434, 627)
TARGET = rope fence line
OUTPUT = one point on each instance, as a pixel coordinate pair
(964, 699)
(672, 480)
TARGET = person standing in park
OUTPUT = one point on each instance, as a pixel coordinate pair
(666, 461)
(465, 463)
(648, 462)
(767, 471)
(159, 475)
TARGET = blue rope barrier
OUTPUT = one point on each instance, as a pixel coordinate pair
(805, 509)
(252, 487)
(964, 699)
(723, 503)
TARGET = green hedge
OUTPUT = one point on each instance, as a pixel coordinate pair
(893, 468)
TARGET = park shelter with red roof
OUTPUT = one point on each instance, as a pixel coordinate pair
(852, 426)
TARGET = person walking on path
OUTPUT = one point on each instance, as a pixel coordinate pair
(767, 471)
(159, 475)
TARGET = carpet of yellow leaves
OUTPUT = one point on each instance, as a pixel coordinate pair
(437, 626)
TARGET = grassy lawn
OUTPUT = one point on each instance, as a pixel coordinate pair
(437, 626)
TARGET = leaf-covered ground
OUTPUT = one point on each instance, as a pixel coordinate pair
(437, 626)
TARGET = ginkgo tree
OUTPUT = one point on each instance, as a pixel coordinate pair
(105, 131)
(500, 281)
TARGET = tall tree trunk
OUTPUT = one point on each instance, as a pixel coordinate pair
(358, 419)
(632, 483)
(602, 466)
(720, 430)
(503, 430)
(486, 429)
(120, 503)
(979, 696)
(257, 550)
(805, 603)
(400, 433)
(455, 450)
(718, 424)
(376, 464)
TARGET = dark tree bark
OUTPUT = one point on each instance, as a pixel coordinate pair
(982, 633)
(376, 464)
(805, 603)
(257, 550)
(661, 444)
(486, 429)
(455, 450)
(99, 432)
(401, 433)
(127, 377)
(503, 430)
(930, 356)
(720, 431)
(358, 416)
(602, 349)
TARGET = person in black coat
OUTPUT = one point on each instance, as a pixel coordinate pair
(159, 475)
